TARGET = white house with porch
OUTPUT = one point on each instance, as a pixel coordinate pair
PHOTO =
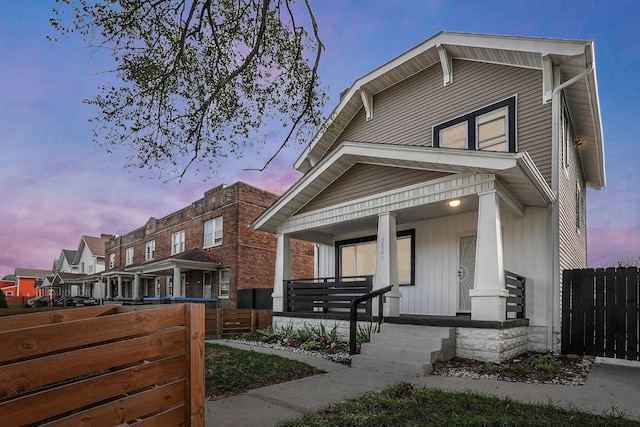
(448, 173)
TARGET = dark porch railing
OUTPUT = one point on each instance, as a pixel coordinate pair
(515, 284)
(353, 315)
(330, 294)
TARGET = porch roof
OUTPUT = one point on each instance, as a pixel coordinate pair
(516, 172)
(575, 59)
(193, 259)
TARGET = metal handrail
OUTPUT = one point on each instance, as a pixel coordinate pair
(353, 313)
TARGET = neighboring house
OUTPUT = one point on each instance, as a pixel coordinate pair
(465, 156)
(8, 285)
(205, 250)
(75, 272)
(28, 281)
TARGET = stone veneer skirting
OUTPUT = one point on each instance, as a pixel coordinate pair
(484, 344)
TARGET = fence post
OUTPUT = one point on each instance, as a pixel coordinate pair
(219, 322)
(253, 321)
(194, 369)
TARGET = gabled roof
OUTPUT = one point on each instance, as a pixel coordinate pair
(94, 244)
(514, 169)
(575, 59)
(31, 273)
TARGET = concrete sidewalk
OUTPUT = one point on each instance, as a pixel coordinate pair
(607, 387)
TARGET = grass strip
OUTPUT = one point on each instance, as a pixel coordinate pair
(406, 405)
(230, 371)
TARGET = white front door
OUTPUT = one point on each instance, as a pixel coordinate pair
(466, 272)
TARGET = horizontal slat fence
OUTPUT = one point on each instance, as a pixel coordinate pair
(105, 365)
(601, 312)
(222, 322)
(323, 295)
(516, 301)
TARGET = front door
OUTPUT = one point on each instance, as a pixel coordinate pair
(206, 284)
(466, 272)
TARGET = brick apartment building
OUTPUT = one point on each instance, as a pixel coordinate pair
(205, 250)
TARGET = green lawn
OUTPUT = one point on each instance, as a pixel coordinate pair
(230, 371)
(406, 405)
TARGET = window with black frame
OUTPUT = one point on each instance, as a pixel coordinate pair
(357, 257)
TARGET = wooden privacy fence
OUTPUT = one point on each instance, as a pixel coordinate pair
(229, 321)
(106, 365)
(600, 312)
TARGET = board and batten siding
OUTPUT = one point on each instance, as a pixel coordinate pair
(364, 180)
(405, 113)
(526, 249)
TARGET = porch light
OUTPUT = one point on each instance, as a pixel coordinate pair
(454, 203)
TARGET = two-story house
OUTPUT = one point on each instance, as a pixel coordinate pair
(205, 250)
(466, 156)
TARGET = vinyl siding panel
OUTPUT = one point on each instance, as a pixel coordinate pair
(364, 180)
(406, 113)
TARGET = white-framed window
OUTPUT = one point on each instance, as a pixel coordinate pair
(224, 283)
(177, 242)
(580, 219)
(112, 260)
(492, 128)
(92, 265)
(150, 250)
(9, 293)
(357, 257)
(128, 256)
(213, 232)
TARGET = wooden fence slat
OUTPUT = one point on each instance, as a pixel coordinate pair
(620, 313)
(126, 409)
(632, 313)
(588, 302)
(54, 316)
(599, 346)
(610, 312)
(194, 382)
(55, 337)
(66, 398)
(565, 336)
(172, 417)
(33, 373)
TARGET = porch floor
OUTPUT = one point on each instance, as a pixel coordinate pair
(462, 321)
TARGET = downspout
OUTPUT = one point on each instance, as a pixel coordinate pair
(555, 303)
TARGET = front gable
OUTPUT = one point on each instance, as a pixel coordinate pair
(363, 179)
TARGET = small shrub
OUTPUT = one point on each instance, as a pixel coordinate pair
(363, 334)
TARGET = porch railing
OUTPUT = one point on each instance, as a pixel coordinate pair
(515, 284)
(330, 294)
(353, 314)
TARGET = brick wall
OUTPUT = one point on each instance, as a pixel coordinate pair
(248, 254)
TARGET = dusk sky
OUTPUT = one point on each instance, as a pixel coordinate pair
(57, 185)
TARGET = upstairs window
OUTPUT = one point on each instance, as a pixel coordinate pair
(112, 260)
(492, 128)
(150, 250)
(213, 232)
(128, 256)
(177, 242)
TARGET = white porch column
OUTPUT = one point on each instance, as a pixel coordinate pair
(283, 271)
(136, 286)
(387, 265)
(109, 290)
(488, 298)
(177, 283)
(119, 287)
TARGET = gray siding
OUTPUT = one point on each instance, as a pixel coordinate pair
(406, 113)
(365, 180)
(573, 242)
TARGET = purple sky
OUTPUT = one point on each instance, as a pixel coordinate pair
(56, 185)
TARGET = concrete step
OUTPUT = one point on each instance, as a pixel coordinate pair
(406, 349)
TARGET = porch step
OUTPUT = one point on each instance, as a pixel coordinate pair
(406, 349)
